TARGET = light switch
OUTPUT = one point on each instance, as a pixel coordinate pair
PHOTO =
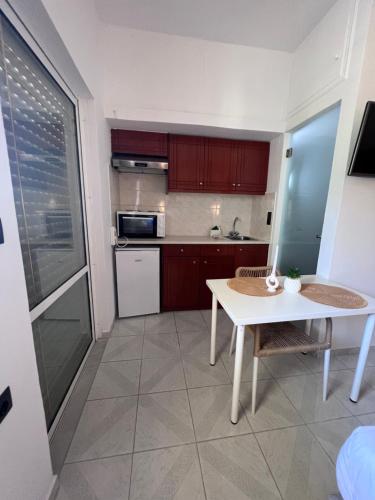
(1, 233)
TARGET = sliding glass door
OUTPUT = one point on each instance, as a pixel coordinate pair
(42, 139)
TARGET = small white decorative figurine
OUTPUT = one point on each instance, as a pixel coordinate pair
(271, 281)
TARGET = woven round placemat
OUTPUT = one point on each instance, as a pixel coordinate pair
(252, 286)
(333, 296)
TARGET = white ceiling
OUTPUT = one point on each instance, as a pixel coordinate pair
(270, 24)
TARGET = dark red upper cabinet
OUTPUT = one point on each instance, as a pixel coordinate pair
(220, 166)
(198, 164)
(252, 167)
(186, 163)
(139, 143)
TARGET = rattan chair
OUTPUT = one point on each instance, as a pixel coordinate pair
(286, 338)
(282, 338)
(249, 272)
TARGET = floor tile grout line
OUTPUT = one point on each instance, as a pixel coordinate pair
(175, 325)
(268, 466)
(201, 441)
(183, 355)
(317, 439)
(299, 413)
(321, 447)
(148, 450)
(332, 420)
(136, 418)
(195, 434)
(167, 390)
(290, 401)
(188, 443)
(96, 459)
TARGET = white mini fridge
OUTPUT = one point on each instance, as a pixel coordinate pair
(138, 281)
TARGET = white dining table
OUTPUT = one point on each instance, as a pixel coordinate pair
(249, 310)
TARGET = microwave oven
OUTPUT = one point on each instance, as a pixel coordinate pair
(133, 224)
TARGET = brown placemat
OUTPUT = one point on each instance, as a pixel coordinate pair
(333, 296)
(252, 286)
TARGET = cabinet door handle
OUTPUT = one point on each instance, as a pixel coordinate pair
(238, 185)
(240, 249)
(218, 249)
(181, 249)
(233, 185)
(194, 261)
(204, 262)
(201, 183)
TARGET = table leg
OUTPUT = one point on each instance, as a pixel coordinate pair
(308, 326)
(361, 363)
(237, 373)
(213, 330)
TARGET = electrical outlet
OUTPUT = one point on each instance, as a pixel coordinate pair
(269, 218)
(6, 403)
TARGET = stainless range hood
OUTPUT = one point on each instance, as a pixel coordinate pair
(139, 164)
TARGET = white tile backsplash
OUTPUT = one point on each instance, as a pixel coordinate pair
(193, 214)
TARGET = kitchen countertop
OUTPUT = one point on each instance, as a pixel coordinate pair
(189, 240)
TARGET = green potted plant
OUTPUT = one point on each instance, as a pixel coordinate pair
(292, 282)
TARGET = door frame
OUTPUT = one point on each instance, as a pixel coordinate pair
(34, 313)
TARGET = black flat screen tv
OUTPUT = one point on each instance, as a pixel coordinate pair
(363, 159)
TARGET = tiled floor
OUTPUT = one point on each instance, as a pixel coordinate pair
(156, 422)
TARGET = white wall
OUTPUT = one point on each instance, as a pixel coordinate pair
(353, 260)
(277, 152)
(341, 33)
(355, 237)
(154, 77)
(25, 470)
(326, 69)
(78, 26)
(321, 61)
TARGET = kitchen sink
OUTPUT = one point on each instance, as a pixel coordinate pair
(240, 237)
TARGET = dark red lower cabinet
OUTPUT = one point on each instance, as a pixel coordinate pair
(212, 268)
(250, 255)
(184, 277)
(180, 283)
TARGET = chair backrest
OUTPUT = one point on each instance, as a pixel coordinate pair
(254, 272)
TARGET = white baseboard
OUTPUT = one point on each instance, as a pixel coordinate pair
(106, 333)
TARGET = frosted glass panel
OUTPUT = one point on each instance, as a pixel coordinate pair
(41, 136)
(62, 336)
(308, 177)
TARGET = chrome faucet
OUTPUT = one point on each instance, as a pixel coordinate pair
(234, 232)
